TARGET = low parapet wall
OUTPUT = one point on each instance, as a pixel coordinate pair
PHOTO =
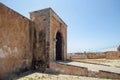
(61, 67)
(110, 75)
(68, 69)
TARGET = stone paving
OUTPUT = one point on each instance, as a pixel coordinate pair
(108, 62)
(97, 67)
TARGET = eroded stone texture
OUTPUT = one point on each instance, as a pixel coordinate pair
(57, 26)
(41, 20)
(47, 25)
(26, 44)
(15, 52)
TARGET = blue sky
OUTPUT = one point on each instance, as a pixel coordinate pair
(93, 25)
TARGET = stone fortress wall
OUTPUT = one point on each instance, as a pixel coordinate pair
(38, 43)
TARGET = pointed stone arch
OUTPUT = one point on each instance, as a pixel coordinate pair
(59, 47)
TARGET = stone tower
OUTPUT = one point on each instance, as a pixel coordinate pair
(50, 38)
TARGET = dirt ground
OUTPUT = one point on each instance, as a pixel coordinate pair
(43, 76)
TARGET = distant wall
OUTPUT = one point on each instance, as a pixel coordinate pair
(87, 56)
(78, 57)
(112, 55)
(15, 48)
(96, 56)
(107, 55)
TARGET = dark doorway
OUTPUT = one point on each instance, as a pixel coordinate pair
(58, 46)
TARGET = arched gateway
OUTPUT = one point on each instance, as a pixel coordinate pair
(50, 38)
(58, 46)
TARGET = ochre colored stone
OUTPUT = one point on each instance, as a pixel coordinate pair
(30, 43)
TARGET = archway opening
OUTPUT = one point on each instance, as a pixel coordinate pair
(58, 46)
